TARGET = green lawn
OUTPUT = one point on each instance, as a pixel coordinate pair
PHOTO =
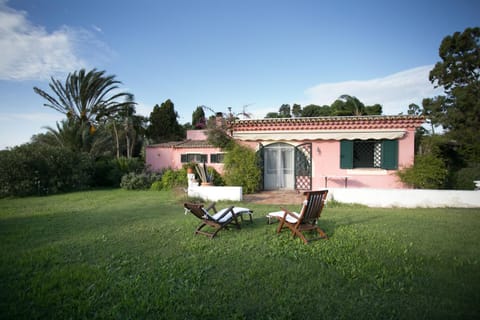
(133, 255)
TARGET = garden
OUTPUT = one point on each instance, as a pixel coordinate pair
(116, 253)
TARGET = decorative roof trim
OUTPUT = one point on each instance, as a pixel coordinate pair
(329, 123)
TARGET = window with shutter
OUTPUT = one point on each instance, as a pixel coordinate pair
(369, 154)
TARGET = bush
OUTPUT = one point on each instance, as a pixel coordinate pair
(174, 178)
(38, 169)
(463, 178)
(139, 181)
(109, 172)
(428, 172)
(241, 169)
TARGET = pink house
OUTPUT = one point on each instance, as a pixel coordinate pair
(310, 153)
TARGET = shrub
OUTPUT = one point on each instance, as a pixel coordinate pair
(139, 181)
(240, 168)
(174, 178)
(38, 169)
(463, 178)
(428, 172)
(109, 172)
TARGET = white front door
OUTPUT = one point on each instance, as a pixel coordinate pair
(279, 163)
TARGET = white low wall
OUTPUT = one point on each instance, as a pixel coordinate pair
(406, 198)
(216, 193)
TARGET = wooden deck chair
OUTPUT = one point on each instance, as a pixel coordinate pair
(219, 220)
(307, 219)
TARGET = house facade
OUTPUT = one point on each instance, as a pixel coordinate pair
(310, 153)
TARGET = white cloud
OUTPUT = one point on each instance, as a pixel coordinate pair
(29, 52)
(394, 92)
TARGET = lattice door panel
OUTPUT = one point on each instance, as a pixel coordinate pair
(303, 167)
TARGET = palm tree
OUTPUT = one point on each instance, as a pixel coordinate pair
(77, 137)
(352, 105)
(85, 97)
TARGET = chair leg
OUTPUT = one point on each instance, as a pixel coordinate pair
(280, 226)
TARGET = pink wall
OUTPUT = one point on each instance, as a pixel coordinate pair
(162, 157)
(196, 134)
(326, 162)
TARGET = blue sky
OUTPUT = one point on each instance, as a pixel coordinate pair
(223, 54)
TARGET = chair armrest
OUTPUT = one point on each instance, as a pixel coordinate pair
(211, 206)
(288, 212)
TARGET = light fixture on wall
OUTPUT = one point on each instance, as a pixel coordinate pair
(318, 150)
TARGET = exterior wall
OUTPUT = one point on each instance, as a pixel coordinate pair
(407, 198)
(196, 134)
(326, 171)
(160, 158)
(326, 164)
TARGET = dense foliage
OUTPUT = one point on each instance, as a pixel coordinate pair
(139, 181)
(458, 72)
(457, 111)
(37, 169)
(345, 105)
(428, 172)
(241, 169)
(163, 124)
(109, 171)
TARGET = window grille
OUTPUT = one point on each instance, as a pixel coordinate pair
(193, 157)
(367, 154)
(217, 157)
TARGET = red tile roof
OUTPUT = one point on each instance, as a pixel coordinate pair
(183, 144)
(330, 123)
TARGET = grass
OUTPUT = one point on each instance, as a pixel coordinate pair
(133, 255)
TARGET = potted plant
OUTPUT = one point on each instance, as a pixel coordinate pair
(190, 167)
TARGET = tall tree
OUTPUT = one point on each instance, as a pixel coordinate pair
(163, 123)
(85, 97)
(296, 110)
(347, 105)
(198, 118)
(458, 73)
(284, 111)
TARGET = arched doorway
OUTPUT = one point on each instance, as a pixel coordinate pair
(279, 162)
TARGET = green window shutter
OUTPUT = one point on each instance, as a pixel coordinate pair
(346, 154)
(390, 154)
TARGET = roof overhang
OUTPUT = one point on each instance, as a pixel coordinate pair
(318, 135)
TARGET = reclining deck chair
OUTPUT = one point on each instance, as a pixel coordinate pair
(307, 219)
(219, 220)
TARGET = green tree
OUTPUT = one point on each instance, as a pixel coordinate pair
(272, 115)
(313, 110)
(85, 97)
(347, 105)
(198, 118)
(77, 137)
(163, 123)
(296, 110)
(284, 111)
(376, 109)
(458, 73)
(127, 130)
